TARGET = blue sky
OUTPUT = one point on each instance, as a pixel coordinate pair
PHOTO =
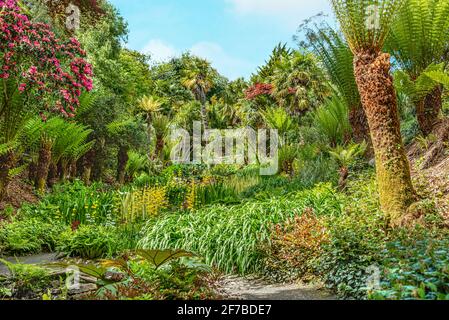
(236, 36)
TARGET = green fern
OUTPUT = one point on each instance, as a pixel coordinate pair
(366, 23)
(332, 120)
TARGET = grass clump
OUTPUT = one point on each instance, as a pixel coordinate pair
(231, 237)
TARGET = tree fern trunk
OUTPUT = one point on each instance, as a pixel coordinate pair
(88, 162)
(121, 164)
(64, 170)
(73, 169)
(7, 162)
(375, 83)
(52, 175)
(428, 111)
(43, 166)
(360, 128)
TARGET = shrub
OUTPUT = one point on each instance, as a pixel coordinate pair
(356, 239)
(90, 242)
(295, 246)
(76, 203)
(29, 235)
(355, 244)
(232, 237)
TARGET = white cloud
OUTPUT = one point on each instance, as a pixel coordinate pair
(159, 50)
(288, 11)
(226, 64)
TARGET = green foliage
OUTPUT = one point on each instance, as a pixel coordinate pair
(355, 244)
(69, 139)
(299, 84)
(137, 163)
(24, 279)
(366, 23)
(90, 242)
(356, 239)
(332, 121)
(424, 84)
(346, 156)
(158, 258)
(416, 268)
(337, 59)
(75, 202)
(29, 235)
(231, 237)
(417, 36)
(279, 119)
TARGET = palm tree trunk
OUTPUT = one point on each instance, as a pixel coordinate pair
(360, 128)
(159, 147)
(7, 162)
(428, 111)
(43, 166)
(375, 83)
(203, 101)
(121, 164)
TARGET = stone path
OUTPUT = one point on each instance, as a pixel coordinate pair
(34, 259)
(238, 288)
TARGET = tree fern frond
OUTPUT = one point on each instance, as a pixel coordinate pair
(366, 23)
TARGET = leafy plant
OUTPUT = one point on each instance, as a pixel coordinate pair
(295, 246)
(332, 120)
(29, 235)
(230, 237)
(415, 269)
(90, 242)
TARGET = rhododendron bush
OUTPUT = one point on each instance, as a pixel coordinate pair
(53, 72)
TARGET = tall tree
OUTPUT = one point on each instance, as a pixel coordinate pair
(337, 58)
(418, 39)
(366, 24)
(198, 76)
(298, 83)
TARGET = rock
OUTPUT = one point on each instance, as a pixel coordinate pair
(84, 288)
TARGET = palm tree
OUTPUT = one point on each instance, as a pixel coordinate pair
(299, 85)
(150, 105)
(365, 24)
(417, 40)
(337, 58)
(279, 119)
(281, 51)
(161, 125)
(198, 77)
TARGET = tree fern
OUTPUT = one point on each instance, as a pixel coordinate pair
(419, 35)
(337, 58)
(332, 121)
(366, 23)
(425, 83)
